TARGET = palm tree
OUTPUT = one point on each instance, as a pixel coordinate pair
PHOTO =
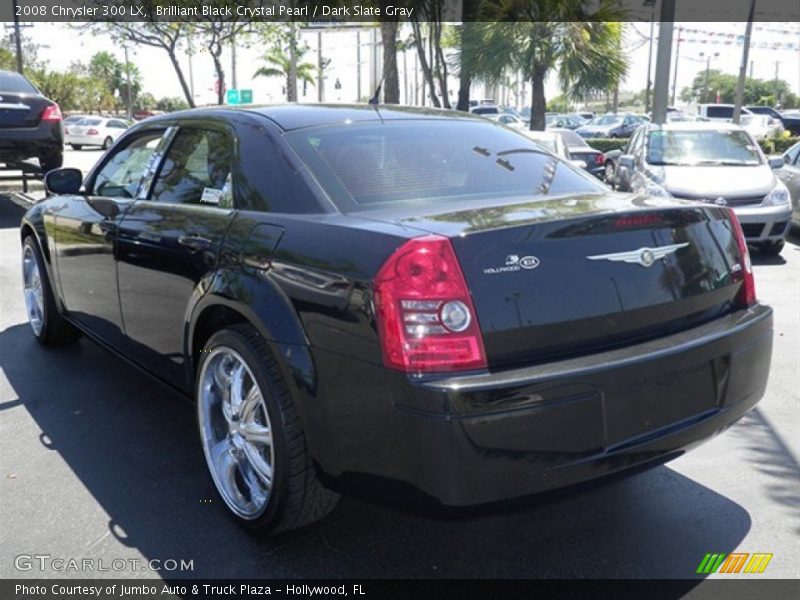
(536, 37)
(279, 64)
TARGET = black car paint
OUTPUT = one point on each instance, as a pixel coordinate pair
(30, 137)
(302, 276)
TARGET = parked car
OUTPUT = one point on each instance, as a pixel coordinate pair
(508, 120)
(553, 142)
(610, 126)
(72, 120)
(30, 124)
(790, 122)
(564, 121)
(486, 109)
(790, 175)
(719, 112)
(579, 149)
(481, 330)
(95, 131)
(716, 163)
(761, 127)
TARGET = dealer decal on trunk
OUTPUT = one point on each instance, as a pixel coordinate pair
(513, 264)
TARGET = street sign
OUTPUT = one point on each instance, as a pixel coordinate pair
(232, 97)
(245, 96)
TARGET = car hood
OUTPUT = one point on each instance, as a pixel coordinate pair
(693, 182)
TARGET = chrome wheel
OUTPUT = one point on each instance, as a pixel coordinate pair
(236, 432)
(32, 287)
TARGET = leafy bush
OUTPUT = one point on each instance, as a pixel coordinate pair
(606, 144)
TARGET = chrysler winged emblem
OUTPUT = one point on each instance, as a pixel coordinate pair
(645, 257)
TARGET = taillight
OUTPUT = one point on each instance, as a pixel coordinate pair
(747, 294)
(426, 319)
(600, 159)
(92, 132)
(52, 113)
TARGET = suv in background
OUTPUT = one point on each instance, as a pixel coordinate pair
(718, 112)
(30, 124)
(790, 123)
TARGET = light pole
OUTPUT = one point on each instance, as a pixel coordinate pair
(708, 68)
(675, 74)
(128, 95)
(661, 87)
(737, 103)
(652, 5)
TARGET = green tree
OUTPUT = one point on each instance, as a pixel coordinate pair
(171, 104)
(279, 64)
(577, 39)
(706, 86)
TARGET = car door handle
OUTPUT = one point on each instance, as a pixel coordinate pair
(195, 243)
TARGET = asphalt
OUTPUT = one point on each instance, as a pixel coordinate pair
(99, 461)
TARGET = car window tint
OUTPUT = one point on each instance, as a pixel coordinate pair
(719, 112)
(122, 174)
(427, 162)
(196, 169)
(89, 122)
(14, 82)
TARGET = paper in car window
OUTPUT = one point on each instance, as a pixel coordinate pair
(211, 196)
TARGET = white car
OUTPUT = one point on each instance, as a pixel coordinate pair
(94, 131)
(719, 112)
(761, 127)
(509, 121)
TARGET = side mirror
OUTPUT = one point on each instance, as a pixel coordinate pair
(63, 181)
(578, 163)
(627, 160)
(775, 162)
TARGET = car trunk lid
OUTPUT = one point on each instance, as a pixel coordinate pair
(580, 274)
(21, 110)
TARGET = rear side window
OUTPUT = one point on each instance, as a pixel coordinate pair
(16, 83)
(719, 112)
(196, 169)
(423, 162)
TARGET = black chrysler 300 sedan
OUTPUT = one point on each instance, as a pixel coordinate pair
(354, 294)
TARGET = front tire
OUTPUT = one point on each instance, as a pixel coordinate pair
(771, 248)
(48, 326)
(254, 444)
(76, 146)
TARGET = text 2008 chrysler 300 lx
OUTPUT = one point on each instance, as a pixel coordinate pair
(407, 295)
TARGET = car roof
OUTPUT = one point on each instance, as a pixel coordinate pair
(297, 116)
(693, 126)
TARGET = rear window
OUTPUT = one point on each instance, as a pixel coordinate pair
(89, 122)
(486, 110)
(719, 112)
(15, 83)
(369, 165)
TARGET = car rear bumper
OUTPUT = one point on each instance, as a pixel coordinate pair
(83, 140)
(472, 439)
(764, 224)
(22, 143)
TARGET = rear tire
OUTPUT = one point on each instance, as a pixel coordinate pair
(610, 173)
(48, 326)
(107, 143)
(75, 146)
(252, 438)
(51, 160)
(771, 248)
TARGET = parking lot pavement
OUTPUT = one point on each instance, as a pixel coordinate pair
(79, 159)
(98, 461)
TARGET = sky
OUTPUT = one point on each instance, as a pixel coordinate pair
(772, 44)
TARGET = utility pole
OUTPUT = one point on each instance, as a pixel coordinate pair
(190, 51)
(777, 100)
(18, 37)
(291, 93)
(128, 94)
(737, 103)
(708, 68)
(233, 62)
(649, 59)
(320, 70)
(675, 75)
(358, 66)
(661, 86)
